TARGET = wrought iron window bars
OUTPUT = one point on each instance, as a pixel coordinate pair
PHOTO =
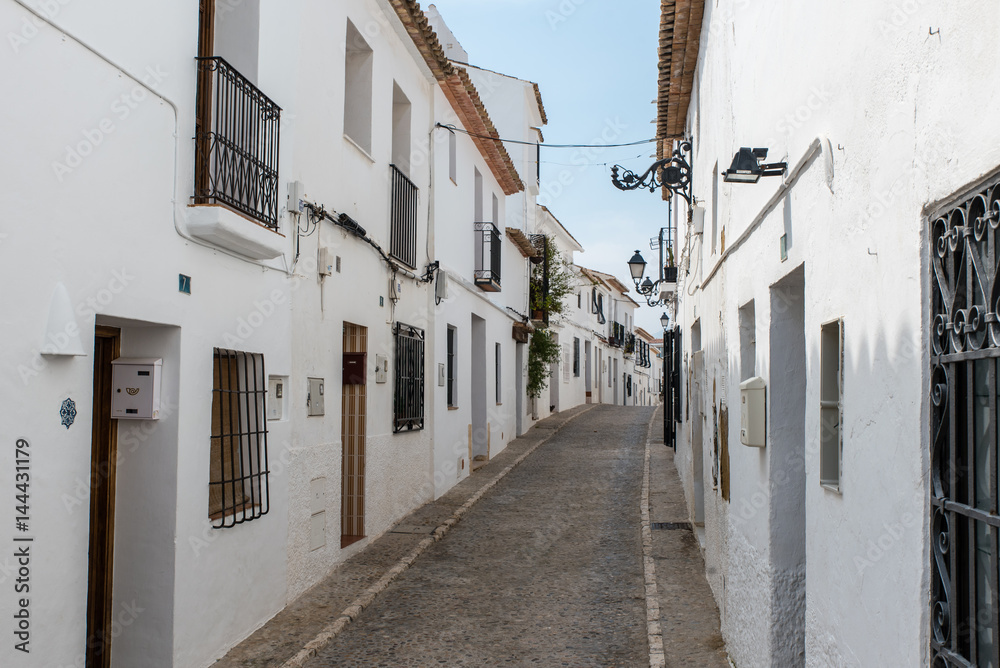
(408, 397)
(403, 218)
(965, 374)
(238, 470)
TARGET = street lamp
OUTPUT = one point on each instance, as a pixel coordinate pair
(665, 320)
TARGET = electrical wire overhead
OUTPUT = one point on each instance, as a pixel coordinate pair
(452, 128)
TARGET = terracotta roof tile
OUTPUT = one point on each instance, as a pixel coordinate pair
(461, 93)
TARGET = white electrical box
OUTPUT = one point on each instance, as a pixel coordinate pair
(753, 410)
(135, 388)
(698, 220)
(325, 267)
(441, 286)
(441, 374)
(296, 193)
(314, 400)
(381, 368)
(276, 398)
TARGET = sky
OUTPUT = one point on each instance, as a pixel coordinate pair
(595, 63)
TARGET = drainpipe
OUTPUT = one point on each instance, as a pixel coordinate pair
(173, 195)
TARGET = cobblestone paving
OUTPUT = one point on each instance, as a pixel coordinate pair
(689, 617)
(545, 570)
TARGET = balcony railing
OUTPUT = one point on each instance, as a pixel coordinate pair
(403, 218)
(236, 143)
(488, 243)
(617, 335)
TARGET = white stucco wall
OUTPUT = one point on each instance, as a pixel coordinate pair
(898, 127)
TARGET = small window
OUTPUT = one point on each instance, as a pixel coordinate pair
(477, 211)
(408, 401)
(579, 300)
(358, 89)
(496, 210)
(452, 394)
(831, 395)
(237, 478)
(576, 357)
(498, 376)
(453, 157)
(401, 112)
(748, 342)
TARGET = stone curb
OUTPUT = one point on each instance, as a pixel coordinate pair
(654, 633)
(368, 596)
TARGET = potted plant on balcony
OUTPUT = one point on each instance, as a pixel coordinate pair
(551, 281)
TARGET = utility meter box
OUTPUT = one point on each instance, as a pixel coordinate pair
(314, 400)
(135, 388)
(381, 368)
(752, 412)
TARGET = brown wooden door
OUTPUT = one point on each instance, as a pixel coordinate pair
(354, 420)
(104, 446)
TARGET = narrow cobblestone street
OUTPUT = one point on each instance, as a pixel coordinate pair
(545, 569)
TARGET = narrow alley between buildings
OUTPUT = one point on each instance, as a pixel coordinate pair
(546, 568)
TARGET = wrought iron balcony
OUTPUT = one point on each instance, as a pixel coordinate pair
(488, 243)
(236, 143)
(403, 218)
(629, 343)
(617, 339)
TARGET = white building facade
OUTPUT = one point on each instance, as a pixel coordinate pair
(848, 515)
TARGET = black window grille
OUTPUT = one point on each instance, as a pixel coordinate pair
(965, 372)
(498, 374)
(488, 245)
(236, 143)
(576, 357)
(451, 367)
(403, 219)
(238, 471)
(408, 402)
(600, 310)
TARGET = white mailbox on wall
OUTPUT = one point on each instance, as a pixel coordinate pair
(135, 388)
(753, 410)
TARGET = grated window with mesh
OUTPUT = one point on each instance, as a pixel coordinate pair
(408, 401)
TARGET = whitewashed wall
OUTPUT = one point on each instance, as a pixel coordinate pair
(898, 127)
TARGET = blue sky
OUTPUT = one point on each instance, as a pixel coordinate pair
(595, 63)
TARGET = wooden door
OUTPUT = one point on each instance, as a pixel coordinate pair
(353, 421)
(104, 447)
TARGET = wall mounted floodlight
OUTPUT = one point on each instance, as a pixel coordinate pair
(747, 167)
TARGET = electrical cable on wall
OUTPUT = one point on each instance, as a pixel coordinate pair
(345, 222)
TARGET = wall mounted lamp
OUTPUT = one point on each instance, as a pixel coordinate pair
(747, 167)
(645, 286)
(673, 173)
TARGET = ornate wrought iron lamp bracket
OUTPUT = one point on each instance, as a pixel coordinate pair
(673, 173)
